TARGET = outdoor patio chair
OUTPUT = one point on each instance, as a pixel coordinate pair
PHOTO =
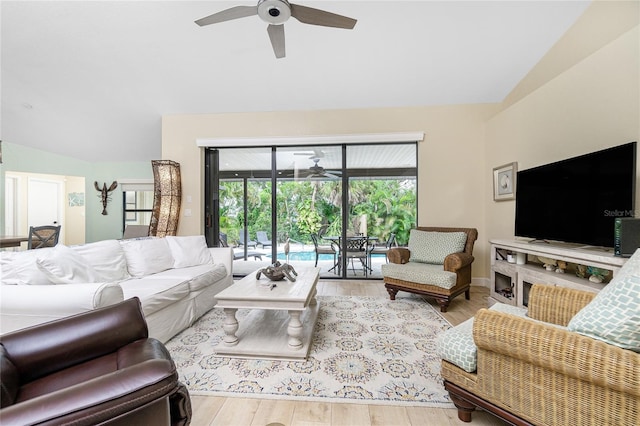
(323, 249)
(383, 249)
(263, 239)
(358, 248)
(245, 240)
(239, 254)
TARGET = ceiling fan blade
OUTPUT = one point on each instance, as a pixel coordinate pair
(228, 15)
(309, 15)
(276, 34)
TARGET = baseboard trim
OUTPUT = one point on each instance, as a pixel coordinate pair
(481, 282)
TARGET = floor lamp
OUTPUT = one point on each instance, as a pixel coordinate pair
(166, 198)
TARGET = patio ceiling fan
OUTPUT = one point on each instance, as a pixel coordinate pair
(316, 153)
(317, 171)
(276, 13)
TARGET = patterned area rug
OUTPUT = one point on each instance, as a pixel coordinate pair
(365, 350)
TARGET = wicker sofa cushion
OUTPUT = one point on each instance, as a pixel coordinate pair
(613, 316)
(456, 344)
(421, 273)
(433, 247)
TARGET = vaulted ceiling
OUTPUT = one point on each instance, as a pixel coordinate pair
(92, 80)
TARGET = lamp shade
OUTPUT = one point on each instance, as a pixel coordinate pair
(167, 195)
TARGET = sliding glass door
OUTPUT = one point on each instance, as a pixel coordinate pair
(309, 205)
(382, 204)
(334, 206)
(244, 208)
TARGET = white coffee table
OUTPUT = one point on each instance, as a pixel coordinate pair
(281, 321)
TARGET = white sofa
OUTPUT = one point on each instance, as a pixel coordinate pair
(176, 279)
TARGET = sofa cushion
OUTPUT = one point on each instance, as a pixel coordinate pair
(433, 247)
(16, 266)
(421, 273)
(20, 268)
(189, 251)
(155, 293)
(65, 266)
(147, 256)
(199, 276)
(613, 316)
(106, 257)
(456, 344)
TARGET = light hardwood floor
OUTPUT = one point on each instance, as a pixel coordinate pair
(220, 411)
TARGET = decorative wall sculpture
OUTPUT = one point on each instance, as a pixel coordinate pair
(104, 194)
(166, 198)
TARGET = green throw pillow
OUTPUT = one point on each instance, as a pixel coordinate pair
(433, 247)
(613, 316)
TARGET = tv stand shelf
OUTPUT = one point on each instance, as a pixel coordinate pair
(512, 280)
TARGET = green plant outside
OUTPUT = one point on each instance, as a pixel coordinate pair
(311, 206)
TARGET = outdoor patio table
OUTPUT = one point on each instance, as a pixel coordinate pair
(338, 241)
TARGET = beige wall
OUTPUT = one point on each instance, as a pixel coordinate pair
(74, 215)
(591, 106)
(572, 103)
(451, 157)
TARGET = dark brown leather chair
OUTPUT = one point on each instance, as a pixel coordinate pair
(96, 368)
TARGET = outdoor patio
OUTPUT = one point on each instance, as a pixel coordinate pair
(303, 255)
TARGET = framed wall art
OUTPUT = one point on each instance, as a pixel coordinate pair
(504, 182)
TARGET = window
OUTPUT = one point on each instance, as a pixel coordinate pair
(137, 203)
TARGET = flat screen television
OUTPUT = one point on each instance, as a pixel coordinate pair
(577, 200)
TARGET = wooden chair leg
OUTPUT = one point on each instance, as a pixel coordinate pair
(444, 304)
(392, 293)
(465, 408)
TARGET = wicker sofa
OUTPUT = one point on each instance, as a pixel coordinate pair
(532, 370)
(442, 279)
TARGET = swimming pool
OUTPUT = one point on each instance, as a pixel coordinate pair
(308, 256)
(303, 255)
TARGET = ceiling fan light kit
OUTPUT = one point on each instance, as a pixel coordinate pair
(276, 13)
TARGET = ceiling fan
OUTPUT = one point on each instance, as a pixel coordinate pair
(317, 171)
(316, 153)
(276, 13)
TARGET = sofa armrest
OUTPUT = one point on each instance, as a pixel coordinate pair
(99, 399)
(42, 349)
(556, 349)
(556, 305)
(398, 255)
(223, 255)
(26, 305)
(456, 261)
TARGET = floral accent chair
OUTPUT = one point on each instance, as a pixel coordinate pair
(436, 263)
